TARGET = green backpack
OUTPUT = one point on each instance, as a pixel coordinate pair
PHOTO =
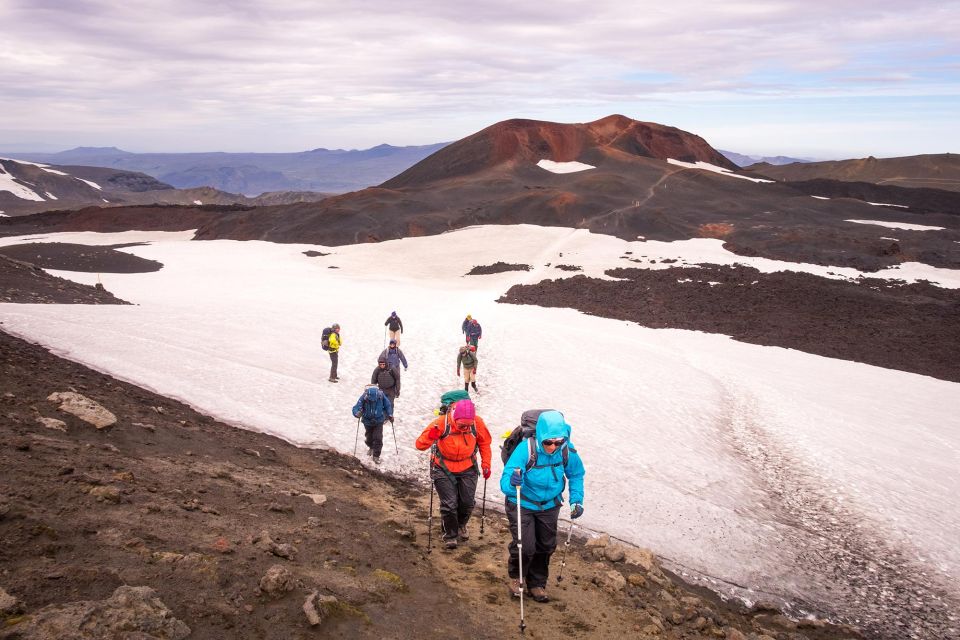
(450, 398)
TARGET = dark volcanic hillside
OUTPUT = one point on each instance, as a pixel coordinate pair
(934, 171)
(492, 177)
(514, 142)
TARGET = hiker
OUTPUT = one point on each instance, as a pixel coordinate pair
(395, 325)
(373, 408)
(474, 332)
(466, 323)
(467, 358)
(334, 349)
(394, 357)
(554, 460)
(386, 379)
(456, 437)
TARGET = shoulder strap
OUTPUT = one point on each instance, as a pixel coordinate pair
(532, 456)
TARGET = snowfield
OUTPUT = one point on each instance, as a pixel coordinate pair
(764, 472)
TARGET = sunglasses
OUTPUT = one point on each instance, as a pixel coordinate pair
(555, 442)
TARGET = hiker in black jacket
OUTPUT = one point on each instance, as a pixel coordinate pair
(395, 325)
(386, 378)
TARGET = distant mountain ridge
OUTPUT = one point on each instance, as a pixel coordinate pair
(27, 188)
(933, 171)
(742, 160)
(323, 170)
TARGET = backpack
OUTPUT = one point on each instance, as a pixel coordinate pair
(451, 397)
(447, 428)
(325, 338)
(528, 431)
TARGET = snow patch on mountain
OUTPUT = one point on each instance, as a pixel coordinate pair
(907, 226)
(9, 183)
(706, 166)
(564, 167)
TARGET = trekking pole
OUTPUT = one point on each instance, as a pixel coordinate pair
(430, 518)
(563, 556)
(520, 558)
(392, 426)
(357, 437)
(483, 509)
(384, 336)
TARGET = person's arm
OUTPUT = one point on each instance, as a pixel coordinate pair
(357, 408)
(516, 462)
(483, 441)
(575, 472)
(459, 360)
(373, 378)
(386, 322)
(400, 322)
(430, 435)
(403, 358)
(388, 407)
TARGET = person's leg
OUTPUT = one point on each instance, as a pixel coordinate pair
(447, 492)
(334, 356)
(466, 494)
(529, 542)
(368, 435)
(376, 439)
(545, 536)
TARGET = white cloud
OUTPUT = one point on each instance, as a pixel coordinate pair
(295, 74)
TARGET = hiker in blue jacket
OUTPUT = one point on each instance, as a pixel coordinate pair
(373, 408)
(473, 333)
(541, 496)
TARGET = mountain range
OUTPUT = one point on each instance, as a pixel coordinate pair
(251, 174)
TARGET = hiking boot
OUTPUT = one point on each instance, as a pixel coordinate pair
(515, 587)
(450, 544)
(334, 379)
(376, 459)
(539, 594)
(474, 385)
(464, 534)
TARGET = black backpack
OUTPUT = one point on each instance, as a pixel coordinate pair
(325, 338)
(527, 431)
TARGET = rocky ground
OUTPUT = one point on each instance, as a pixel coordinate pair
(911, 327)
(26, 283)
(126, 514)
(497, 267)
(80, 257)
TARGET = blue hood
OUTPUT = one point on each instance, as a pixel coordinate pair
(551, 424)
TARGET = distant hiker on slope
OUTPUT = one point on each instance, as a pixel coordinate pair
(395, 325)
(456, 437)
(387, 379)
(465, 324)
(394, 357)
(474, 332)
(373, 408)
(330, 341)
(467, 358)
(535, 474)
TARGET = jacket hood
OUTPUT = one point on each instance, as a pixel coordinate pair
(551, 424)
(372, 393)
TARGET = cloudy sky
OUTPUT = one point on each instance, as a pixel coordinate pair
(844, 78)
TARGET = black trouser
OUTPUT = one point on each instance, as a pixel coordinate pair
(334, 356)
(539, 543)
(373, 437)
(457, 492)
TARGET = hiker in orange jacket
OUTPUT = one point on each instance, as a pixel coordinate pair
(456, 437)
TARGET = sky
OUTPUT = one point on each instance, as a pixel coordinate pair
(691, 454)
(842, 79)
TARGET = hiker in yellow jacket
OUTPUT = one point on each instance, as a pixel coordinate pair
(334, 351)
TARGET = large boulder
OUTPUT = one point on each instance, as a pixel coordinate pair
(131, 612)
(83, 408)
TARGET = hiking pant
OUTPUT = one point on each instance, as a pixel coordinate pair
(457, 492)
(396, 375)
(334, 356)
(392, 393)
(539, 543)
(475, 341)
(373, 437)
(395, 335)
(469, 375)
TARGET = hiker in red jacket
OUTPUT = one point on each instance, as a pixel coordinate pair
(456, 437)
